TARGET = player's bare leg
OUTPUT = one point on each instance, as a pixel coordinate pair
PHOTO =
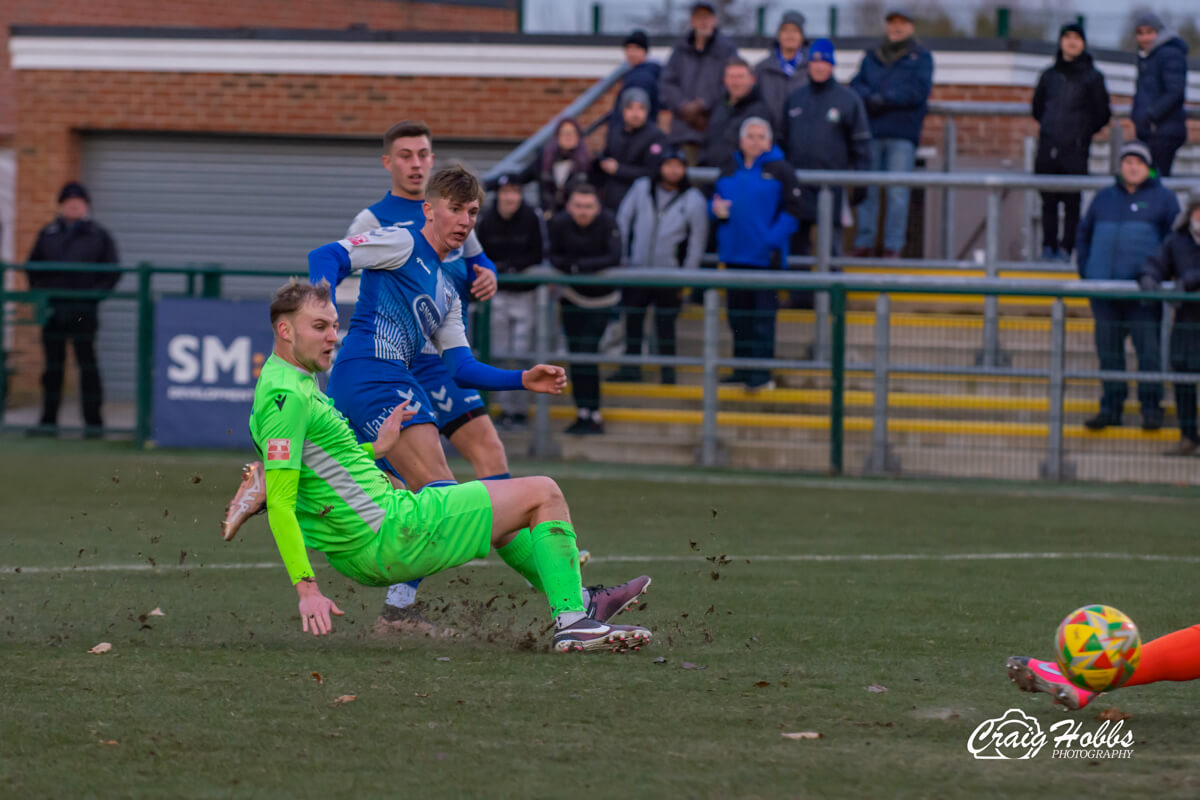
(250, 499)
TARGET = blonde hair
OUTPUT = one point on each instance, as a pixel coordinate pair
(290, 297)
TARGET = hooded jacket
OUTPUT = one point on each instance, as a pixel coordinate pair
(513, 244)
(645, 76)
(1179, 260)
(765, 204)
(582, 251)
(636, 153)
(1158, 111)
(80, 242)
(1121, 229)
(660, 229)
(775, 85)
(1070, 104)
(896, 94)
(693, 74)
(724, 126)
(825, 127)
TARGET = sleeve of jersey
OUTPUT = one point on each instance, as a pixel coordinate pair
(365, 221)
(282, 489)
(382, 248)
(472, 374)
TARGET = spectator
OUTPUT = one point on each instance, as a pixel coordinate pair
(511, 235)
(1071, 106)
(564, 161)
(825, 127)
(643, 74)
(72, 238)
(783, 71)
(664, 223)
(894, 80)
(741, 102)
(691, 83)
(1158, 113)
(630, 149)
(1123, 226)
(1179, 260)
(757, 203)
(584, 239)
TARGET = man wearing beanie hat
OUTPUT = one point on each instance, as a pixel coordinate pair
(643, 74)
(1123, 226)
(1179, 261)
(72, 238)
(784, 70)
(664, 223)
(631, 148)
(1158, 113)
(1071, 106)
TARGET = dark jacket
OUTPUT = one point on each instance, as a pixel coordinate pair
(775, 85)
(644, 76)
(721, 141)
(551, 195)
(1179, 260)
(693, 74)
(896, 95)
(582, 251)
(1122, 229)
(636, 153)
(1161, 85)
(825, 127)
(514, 245)
(82, 242)
(1070, 104)
(765, 203)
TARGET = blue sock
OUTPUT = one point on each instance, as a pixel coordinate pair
(500, 476)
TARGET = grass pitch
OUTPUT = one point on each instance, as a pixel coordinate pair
(218, 696)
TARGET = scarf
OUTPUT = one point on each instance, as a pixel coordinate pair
(890, 52)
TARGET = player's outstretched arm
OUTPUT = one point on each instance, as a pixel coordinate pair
(470, 373)
(382, 248)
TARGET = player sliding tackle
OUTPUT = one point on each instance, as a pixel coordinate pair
(325, 491)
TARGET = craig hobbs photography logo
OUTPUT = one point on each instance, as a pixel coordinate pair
(1016, 735)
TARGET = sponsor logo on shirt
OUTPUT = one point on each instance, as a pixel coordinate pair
(426, 312)
(358, 239)
(279, 450)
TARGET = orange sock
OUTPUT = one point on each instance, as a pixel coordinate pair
(1174, 657)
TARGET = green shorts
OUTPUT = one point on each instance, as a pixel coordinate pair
(422, 534)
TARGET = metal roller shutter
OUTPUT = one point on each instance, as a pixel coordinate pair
(242, 202)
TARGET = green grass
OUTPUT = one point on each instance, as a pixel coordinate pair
(217, 698)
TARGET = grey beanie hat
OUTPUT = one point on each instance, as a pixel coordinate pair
(1148, 19)
(634, 94)
(1136, 148)
(793, 18)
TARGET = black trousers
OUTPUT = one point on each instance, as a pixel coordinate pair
(752, 321)
(1053, 160)
(1114, 320)
(1163, 151)
(76, 321)
(584, 327)
(666, 304)
(1185, 357)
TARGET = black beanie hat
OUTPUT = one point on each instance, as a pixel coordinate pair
(73, 189)
(1072, 27)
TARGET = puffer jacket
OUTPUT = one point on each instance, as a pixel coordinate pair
(1179, 260)
(659, 230)
(1121, 229)
(896, 95)
(1158, 112)
(1070, 104)
(765, 204)
(693, 74)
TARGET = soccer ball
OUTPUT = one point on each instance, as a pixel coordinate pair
(1098, 648)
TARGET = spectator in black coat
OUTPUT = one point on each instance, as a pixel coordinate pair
(1071, 106)
(784, 70)
(1179, 260)
(511, 235)
(643, 74)
(72, 238)
(630, 151)
(691, 82)
(585, 239)
(1158, 113)
(741, 102)
(564, 161)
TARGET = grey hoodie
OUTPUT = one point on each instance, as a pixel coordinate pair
(668, 234)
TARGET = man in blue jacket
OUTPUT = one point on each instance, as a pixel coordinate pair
(756, 203)
(1158, 114)
(894, 81)
(1125, 224)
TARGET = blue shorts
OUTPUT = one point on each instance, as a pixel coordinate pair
(451, 404)
(367, 390)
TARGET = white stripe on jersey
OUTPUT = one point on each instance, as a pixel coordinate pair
(381, 248)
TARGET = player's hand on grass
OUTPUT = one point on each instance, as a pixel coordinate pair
(315, 609)
(484, 285)
(545, 378)
(389, 431)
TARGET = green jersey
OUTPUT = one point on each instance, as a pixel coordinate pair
(341, 496)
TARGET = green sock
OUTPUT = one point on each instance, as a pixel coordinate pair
(557, 560)
(518, 554)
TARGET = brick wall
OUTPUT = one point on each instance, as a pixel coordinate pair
(311, 14)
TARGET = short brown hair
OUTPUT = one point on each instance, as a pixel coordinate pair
(290, 297)
(457, 184)
(738, 61)
(405, 129)
(582, 188)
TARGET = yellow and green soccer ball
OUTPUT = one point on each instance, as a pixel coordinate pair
(1098, 648)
